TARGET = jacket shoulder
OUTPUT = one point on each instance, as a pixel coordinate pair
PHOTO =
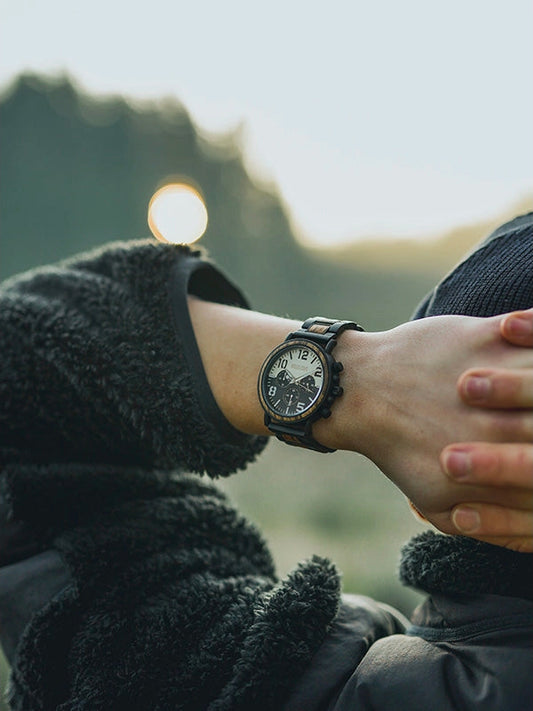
(491, 671)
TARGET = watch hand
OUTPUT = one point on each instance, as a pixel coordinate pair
(302, 377)
(303, 387)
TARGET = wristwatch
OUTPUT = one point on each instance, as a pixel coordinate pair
(299, 381)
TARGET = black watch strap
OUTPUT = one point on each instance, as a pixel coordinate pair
(297, 436)
(324, 332)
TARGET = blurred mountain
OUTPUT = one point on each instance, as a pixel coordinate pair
(434, 255)
(79, 171)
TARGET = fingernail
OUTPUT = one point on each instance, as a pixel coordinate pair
(477, 387)
(466, 520)
(520, 325)
(457, 464)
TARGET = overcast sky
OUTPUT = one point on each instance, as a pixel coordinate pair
(401, 118)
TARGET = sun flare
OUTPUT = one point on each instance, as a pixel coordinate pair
(177, 214)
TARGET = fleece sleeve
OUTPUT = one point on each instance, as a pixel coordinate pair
(99, 363)
(99, 373)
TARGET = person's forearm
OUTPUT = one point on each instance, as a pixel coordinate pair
(385, 373)
(233, 344)
(400, 406)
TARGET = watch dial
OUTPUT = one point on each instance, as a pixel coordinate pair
(293, 381)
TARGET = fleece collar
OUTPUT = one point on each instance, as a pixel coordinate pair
(453, 564)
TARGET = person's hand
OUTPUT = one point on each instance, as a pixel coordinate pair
(506, 466)
(401, 408)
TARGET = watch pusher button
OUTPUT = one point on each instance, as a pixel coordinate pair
(338, 367)
(325, 412)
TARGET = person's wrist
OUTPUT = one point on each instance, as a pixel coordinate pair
(352, 413)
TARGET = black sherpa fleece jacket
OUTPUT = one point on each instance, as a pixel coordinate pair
(126, 584)
(137, 587)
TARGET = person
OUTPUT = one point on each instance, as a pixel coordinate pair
(126, 584)
(371, 418)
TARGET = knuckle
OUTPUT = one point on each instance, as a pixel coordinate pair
(507, 387)
(489, 466)
(524, 459)
(495, 521)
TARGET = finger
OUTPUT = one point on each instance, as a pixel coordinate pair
(483, 463)
(495, 524)
(497, 388)
(517, 328)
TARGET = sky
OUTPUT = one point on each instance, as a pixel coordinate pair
(373, 118)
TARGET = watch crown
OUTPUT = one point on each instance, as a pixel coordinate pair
(337, 390)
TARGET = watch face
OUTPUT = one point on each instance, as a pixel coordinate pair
(294, 380)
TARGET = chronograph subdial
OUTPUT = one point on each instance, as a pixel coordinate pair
(308, 384)
(284, 378)
(291, 396)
